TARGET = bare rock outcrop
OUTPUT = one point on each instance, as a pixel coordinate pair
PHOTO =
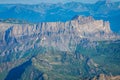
(59, 34)
(105, 77)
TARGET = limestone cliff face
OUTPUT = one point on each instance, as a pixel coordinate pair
(59, 34)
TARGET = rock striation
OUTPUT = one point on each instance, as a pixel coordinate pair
(58, 34)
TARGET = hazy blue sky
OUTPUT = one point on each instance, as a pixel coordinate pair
(50, 1)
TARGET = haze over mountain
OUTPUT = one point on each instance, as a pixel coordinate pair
(45, 12)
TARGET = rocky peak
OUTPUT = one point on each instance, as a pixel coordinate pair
(83, 19)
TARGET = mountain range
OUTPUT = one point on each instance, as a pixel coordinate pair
(71, 41)
(46, 12)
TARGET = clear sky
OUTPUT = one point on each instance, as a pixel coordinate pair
(49, 1)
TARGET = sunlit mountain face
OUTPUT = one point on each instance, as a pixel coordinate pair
(46, 12)
(60, 41)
